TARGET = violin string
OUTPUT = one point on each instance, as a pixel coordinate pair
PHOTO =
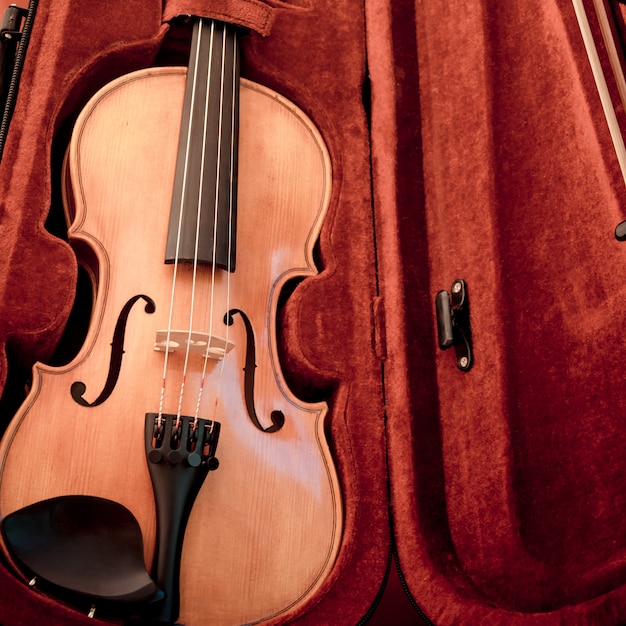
(196, 53)
(215, 227)
(230, 221)
(197, 234)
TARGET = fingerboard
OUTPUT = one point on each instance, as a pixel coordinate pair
(203, 215)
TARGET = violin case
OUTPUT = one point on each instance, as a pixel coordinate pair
(471, 158)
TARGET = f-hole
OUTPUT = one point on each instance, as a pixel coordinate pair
(277, 417)
(78, 388)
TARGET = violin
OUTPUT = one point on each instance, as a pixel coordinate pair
(194, 197)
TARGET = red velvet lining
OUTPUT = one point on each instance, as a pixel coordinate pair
(508, 481)
(254, 14)
(490, 161)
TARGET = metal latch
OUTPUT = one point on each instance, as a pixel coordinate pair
(453, 323)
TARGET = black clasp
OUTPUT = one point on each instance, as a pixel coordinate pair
(453, 323)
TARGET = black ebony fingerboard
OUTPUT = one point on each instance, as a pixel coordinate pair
(203, 215)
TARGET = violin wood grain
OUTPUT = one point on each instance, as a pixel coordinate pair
(266, 526)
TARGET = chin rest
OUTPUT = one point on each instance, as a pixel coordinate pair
(86, 550)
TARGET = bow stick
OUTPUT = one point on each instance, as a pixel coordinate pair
(598, 73)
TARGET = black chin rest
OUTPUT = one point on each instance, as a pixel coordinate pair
(84, 549)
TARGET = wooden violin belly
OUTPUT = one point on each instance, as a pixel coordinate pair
(266, 525)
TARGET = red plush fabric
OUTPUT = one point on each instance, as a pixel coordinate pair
(482, 153)
(508, 481)
(253, 14)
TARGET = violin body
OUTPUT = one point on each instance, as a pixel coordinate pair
(266, 525)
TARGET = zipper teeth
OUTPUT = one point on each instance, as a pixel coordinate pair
(16, 74)
(416, 607)
(409, 595)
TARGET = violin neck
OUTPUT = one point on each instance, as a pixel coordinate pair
(203, 215)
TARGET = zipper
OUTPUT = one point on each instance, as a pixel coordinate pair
(416, 607)
(409, 595)
(10, 36)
